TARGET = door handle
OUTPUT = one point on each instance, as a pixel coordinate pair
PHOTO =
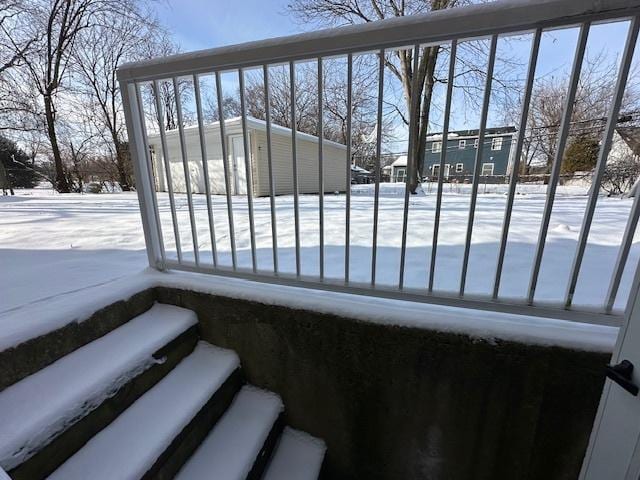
(621, 374)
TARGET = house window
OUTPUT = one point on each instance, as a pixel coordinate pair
(435, 170)
(436, 147)
(476, 142)
(496, 143)
(462, 144)
(487, 169)
(401, 174)
(459, 167)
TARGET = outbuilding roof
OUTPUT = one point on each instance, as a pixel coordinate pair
(256, 124)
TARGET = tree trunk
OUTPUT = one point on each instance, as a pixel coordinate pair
(422, 110)
(122, 155)
(61, 184)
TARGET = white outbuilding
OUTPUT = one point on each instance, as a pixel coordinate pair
(334, 160)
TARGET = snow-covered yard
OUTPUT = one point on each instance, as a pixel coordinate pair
(52, 244)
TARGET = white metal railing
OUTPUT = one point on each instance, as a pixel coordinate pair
(442, 27)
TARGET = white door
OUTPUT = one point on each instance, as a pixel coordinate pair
(614, 447)
(239, 173)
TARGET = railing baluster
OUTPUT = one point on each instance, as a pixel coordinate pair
(605, 147)
(559, 153)
(187, 174)
(478, 162)
(410, 164)
(531, 74)
(443, 157)
(272, 193)
(247, 168)
(320, 166)
(376, 198)
(347, 212)
(150, 175)
(205, 169)
(294, 159)
(167, 167)
(623, 254)
(227, 177)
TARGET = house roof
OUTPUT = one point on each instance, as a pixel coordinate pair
(489, 132)
(401, 161)
(356, 168)
(631, 136)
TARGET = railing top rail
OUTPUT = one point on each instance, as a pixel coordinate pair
(500, 17)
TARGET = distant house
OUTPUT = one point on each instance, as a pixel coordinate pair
(361, 175)
(625, 142)
(334, 158)
(462, 146)
(397, 171)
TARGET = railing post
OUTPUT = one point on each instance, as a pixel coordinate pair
(144, 177)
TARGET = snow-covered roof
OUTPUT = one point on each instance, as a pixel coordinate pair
(401, 161)
(438, 136)
(466, 134)
(356, 168)
(256, 124)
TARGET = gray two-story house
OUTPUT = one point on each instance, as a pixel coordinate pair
(462, 146)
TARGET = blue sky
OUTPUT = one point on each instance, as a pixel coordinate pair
(198, 24)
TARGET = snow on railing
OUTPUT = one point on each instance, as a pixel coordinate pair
(162, 80)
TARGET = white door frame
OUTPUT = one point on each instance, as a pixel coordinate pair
(238, 171)
(614, 446)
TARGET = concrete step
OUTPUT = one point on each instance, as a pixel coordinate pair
(114, 369)
(298, 456)
(27, 345)
(240, 444)
(162, 428)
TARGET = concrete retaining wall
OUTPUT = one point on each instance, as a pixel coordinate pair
(399, 403)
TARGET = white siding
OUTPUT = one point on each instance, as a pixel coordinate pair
(194, 154)
(307, 161)
(307, 157)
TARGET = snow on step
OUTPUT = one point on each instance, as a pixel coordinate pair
(230, 449)
(298, 456)
(131, 444)
(42, 405)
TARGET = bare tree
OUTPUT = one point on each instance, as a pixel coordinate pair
(15, 42)
(18, 110)
(160, 44)
(621, 176)
(363, 110)
(593, 97)
(230, 107)
(419, 84)
(61, 22)
(96, 58)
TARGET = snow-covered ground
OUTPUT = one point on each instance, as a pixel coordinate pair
(52, 244)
